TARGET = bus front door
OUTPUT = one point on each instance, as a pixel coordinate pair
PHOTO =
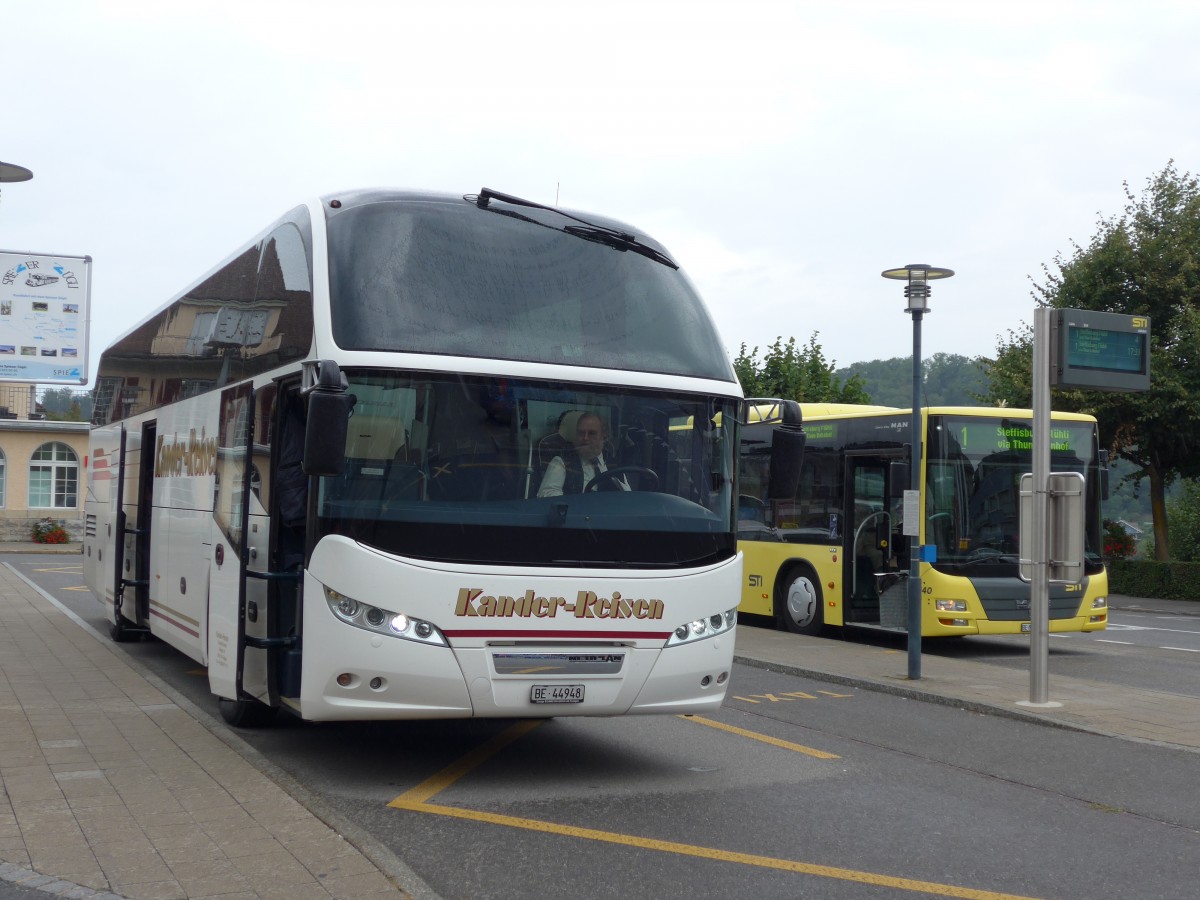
(238, 677)
(276, 502)
(254, 588)
(872, 563)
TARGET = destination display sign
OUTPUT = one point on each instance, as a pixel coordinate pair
(986, 436)
(1099, 350)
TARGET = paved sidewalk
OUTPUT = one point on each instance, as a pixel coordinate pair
(108, 783)
(1102, 708)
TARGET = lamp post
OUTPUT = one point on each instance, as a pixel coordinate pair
(918, 276)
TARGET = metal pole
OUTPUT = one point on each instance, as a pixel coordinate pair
(914, 540)
(1039, 588)
(918, 277)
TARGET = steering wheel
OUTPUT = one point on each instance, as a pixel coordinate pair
(612, 474)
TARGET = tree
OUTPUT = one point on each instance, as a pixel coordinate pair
(1144, 262)
(949, 380)
(793, 373)
(1183, 514)
(64, 404)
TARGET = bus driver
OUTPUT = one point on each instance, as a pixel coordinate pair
(571, 475)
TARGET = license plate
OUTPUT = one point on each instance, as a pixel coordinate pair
(556, 693)
(1025, 627)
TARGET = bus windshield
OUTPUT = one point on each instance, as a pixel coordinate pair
(450, 468)
(454, 279)
(973, 482)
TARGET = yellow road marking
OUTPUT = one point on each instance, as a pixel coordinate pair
(435, 784)
(417, 800)
(766, 739)
(61, 569)
(749, 859)
(81, 587)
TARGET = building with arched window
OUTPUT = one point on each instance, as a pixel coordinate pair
(43, 466)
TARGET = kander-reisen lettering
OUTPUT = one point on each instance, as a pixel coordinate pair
(587, 605)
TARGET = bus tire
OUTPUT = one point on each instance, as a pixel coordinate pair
(246, 713)
(798, 605)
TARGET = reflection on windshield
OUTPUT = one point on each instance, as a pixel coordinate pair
(973, 481)
(523, 472)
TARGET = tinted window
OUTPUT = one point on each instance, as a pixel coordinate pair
(251, 315)
(446, 278)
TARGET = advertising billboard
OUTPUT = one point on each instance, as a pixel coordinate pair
(44, 317)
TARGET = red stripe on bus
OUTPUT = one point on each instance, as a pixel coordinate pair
(583, 635)
(170, 621)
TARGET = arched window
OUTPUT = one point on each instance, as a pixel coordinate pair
(53, 477)
(3, 479)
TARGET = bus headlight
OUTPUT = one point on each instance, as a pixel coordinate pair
(700, 629)
(382, 621)
(1100, 603)
(951, 605)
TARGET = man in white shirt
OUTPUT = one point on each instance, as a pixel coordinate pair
(571, 476)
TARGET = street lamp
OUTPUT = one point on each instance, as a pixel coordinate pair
(918, 276)
(13, 172)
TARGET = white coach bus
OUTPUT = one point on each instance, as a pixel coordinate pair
(317, 470)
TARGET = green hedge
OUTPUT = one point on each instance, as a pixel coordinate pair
(1150, 578)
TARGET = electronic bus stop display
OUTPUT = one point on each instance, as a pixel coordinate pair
(1099, 351)
(44, 316)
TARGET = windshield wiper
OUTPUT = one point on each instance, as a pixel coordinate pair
(619, 240)
(589, 231)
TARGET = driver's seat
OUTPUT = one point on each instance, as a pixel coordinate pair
(559, 441)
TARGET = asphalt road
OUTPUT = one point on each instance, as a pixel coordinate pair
(796, 788)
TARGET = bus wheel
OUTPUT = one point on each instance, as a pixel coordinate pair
(246, 713)
(798, 602)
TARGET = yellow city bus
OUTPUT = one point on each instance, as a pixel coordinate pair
(835, 554)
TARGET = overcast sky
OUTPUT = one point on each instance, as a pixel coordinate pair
(786, 153)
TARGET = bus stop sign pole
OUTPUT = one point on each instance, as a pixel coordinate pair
(1079, 350)
(1039, 594)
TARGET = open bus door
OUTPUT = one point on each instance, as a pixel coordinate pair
(129, 550)
(237, 677)
(254, 599)
(874, 553)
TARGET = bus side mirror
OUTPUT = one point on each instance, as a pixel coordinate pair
(787, 455)
(899, 478)
(329, 407)
(1103, 474)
